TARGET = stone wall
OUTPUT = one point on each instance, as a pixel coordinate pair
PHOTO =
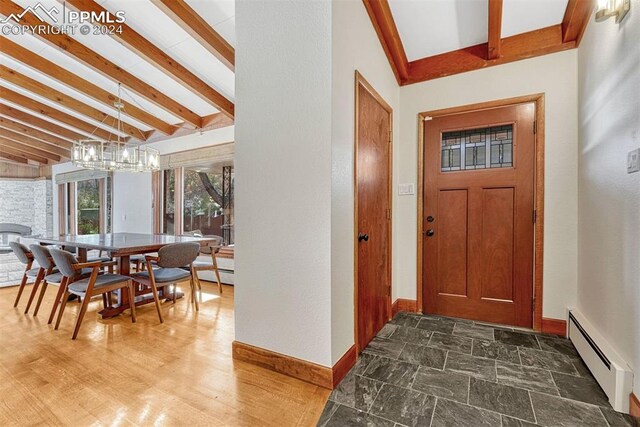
(27, 202)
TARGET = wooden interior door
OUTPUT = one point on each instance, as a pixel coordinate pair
(479, 215)
(373, 212)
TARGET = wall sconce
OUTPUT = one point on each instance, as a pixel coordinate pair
(608, 8)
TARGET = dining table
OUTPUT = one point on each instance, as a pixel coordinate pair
(121, 246)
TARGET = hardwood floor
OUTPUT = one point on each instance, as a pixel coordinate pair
(118, 373)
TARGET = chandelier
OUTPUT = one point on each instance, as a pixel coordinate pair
(118, 155)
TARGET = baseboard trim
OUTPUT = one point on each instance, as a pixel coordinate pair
(402, 304)
(297, 368)
(346, 362)
(634, 407)
(554, 326)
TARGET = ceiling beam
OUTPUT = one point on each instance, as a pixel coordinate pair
(215, 121)
(83, 86)
(495, 29)
(26, 151)
(34, 133)
(54, 152)
(100, 64)
(40, 89)
(17, 159)
(52, 113)
(382, 20)
(514, 48)
(199, 29)
(157, 57)
(39, 123)
(576, 19)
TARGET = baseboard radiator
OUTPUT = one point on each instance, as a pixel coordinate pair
(612, 373)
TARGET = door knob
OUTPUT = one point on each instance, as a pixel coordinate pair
(363, 236)
(430, 232)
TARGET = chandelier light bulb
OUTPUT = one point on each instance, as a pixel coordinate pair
(92, 151)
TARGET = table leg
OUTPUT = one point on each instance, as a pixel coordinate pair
(82, 254)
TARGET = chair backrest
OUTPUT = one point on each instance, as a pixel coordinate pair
(178, 254)
(42, 255)
(21, 251)
(64, 261)
(212, 246)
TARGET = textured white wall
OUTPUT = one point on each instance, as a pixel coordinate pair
(355, 47)
(283, 177)
(556, 76)
(609, 198)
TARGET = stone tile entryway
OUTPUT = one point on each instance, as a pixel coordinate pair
(437, 371)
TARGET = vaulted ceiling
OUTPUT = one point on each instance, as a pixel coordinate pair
(428, 39)
(172, 61)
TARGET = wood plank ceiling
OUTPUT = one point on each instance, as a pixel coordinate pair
(56, 88)
(497, 50)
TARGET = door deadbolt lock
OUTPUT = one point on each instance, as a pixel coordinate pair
(430, 218)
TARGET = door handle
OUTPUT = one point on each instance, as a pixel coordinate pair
(363, 236)
(429, 233)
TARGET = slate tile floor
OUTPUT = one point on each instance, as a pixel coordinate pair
(441, 372)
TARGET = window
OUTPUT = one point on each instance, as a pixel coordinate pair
(205, 195)
(482, 148)
(88, 196)
(84, 206)
(168, 199)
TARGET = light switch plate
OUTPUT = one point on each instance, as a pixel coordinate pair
(633, 161)
(406, 189)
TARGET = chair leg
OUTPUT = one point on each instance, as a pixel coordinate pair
(132, 301)
(34, 289)
(65, 297)
(83, 310)
(193, 292)
(175, 291)
(44, 289)
(61, 290)
(154, 290)
(23, 283)
(215, 269)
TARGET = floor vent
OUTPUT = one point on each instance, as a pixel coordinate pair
(612, 373)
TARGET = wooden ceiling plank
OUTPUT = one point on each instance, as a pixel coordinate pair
(40, 89)
(12, 158)
(194, 25)
(495, 29)
(527, 45)
(157, 57)
(33, 133)
(100, 64)
(575, 21)
(39, 123)
(53, 151)
(81, 85)
(62, 117)
(382, 20)
(26, 151)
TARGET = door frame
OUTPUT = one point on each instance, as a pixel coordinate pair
(538, 234)
(361, 81)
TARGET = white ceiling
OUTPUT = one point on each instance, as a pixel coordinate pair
(431, 27)
(159, 29)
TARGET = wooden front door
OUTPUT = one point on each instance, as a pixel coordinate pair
(479, 215)
(373, 212)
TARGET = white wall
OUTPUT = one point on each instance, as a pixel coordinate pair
(283, 177)
(132, 203)
(609, 198)
(355, 47)
(556, 76)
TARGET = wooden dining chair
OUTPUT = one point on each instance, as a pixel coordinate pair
(51, 277)
(95, 284)
(169, 271)
(212, 250)
(25, 256)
